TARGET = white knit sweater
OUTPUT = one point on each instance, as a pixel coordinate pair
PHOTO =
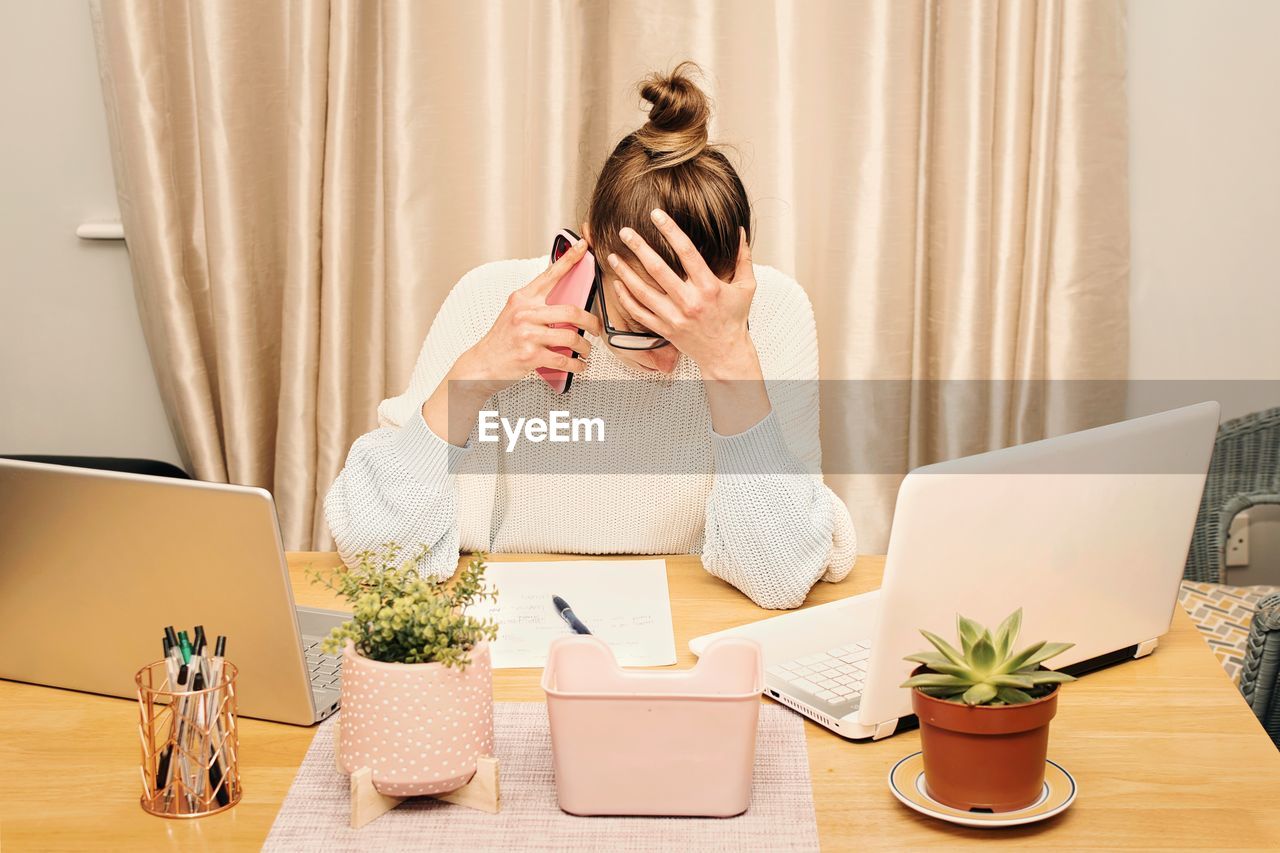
(752, 504)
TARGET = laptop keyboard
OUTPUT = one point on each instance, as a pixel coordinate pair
(836, 676)
(326, 669)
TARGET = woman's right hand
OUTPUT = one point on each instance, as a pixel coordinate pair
(519, 341)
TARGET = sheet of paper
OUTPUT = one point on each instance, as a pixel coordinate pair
(623, 602)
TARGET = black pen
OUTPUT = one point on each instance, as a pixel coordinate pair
(162, 771)
(216, 772)
(178, 734)
(562, 607)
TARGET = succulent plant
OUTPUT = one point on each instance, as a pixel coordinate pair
(400, 617)
(986, 670)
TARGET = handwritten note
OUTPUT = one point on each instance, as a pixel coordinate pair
(623, 602)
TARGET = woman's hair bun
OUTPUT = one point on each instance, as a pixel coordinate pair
(677, 126)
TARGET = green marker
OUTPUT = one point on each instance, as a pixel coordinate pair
(185, 645)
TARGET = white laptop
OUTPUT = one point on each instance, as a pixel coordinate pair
(97, 563)
(1087, 532)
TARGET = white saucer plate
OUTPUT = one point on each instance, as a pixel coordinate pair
(906, 781)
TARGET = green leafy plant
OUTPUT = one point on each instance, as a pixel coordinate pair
(986, 670)
(400, 617)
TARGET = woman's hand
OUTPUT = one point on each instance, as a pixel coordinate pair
(519, 341)
(521, 338)
(703, 317)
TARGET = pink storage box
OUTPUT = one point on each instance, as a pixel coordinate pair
(645, 742)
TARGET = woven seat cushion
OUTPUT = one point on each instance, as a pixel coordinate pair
(1223, 614)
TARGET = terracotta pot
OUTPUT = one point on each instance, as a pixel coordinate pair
(985, 756)
(419, 727)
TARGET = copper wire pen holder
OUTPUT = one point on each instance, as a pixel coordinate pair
(190, 744)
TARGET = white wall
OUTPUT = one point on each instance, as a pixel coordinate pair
(74, 372)
(1205, 193)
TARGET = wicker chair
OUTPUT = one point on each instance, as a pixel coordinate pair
(1244, 472)
(1258, 679)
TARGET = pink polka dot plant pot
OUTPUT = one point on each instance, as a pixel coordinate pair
(419, 727)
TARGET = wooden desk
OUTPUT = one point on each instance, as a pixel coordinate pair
(1165, 751)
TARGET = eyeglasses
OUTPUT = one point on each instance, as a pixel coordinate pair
(620, 338)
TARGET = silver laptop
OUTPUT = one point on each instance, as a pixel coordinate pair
(94, 565)
(1087, 532)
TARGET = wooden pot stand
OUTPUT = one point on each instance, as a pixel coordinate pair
(481, 793)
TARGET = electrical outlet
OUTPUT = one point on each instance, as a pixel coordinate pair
(1238, 541)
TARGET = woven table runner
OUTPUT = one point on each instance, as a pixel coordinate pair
(317, 811)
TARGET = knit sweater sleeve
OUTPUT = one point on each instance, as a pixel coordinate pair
(773, 528)
(397, 483)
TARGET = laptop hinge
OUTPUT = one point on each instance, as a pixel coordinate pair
(1103, 661)
(1145, 648)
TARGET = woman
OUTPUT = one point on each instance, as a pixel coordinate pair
(702, 457)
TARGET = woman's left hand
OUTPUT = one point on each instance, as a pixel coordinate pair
(703, 317)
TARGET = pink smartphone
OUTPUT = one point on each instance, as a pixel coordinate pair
(577, 287)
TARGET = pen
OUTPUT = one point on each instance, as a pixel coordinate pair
(567, 614)
(192, 764)
(173, 660)
(199, 738)
(215, 767)
(220, 792)
(179, 734)
(162, 770)
(168, 659)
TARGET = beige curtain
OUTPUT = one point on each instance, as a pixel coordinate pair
(302, 182)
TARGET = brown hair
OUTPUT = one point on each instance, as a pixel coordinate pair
(668, 163)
